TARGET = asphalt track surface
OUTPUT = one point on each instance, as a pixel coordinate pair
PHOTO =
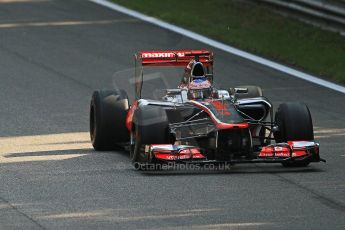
(53, 54)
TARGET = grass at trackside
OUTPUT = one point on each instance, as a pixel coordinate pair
(256, 29)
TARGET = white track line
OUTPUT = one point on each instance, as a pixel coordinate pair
(221, 46)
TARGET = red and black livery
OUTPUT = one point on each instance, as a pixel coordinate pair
(233, 125)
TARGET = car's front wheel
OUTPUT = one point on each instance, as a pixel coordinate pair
(150, 127)
(294, 124)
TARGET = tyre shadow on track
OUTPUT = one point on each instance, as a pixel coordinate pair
(238, 170)
(49, 153)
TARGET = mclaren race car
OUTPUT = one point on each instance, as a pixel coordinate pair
(195, 122)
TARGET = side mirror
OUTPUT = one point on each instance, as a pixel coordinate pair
(223, 94)
(241, 90)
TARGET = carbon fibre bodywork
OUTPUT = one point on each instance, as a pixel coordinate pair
(222, 128)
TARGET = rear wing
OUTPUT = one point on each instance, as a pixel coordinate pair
(169, 58)
(174, 57)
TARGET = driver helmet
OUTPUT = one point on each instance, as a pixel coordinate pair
(199, 89)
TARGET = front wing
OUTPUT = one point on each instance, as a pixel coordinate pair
(275, 153)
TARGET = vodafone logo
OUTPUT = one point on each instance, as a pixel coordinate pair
(162, 55)
(278, 148)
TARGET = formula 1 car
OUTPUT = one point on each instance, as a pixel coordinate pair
(197, 123)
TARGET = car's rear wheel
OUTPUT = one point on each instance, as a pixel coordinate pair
(294, 124)
(150, 127)
(108, 110)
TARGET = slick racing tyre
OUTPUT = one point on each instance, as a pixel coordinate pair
(294, 124)
(252, 91)
(108, 110)
(150, 127)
